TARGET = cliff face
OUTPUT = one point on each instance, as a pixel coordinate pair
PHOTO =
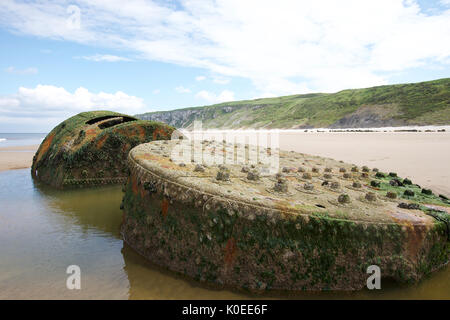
(184, 118)
(177, 118)
(371, 117)
(425, 103)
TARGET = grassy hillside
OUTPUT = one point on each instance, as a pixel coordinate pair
(424, 103)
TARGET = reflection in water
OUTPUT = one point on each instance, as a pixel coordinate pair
(148, 281)
(42, 231)
(95, 209)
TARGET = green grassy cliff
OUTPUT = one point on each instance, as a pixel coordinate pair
(424, 103)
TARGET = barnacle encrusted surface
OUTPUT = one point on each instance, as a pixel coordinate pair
(91, 148)
(270, 233)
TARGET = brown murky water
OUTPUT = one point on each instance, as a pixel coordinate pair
(42, 231)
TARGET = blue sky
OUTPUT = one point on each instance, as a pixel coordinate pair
(59, 57)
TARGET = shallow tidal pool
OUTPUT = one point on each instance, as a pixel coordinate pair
(43, 231)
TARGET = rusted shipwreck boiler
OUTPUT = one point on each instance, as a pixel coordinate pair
(91, 148)
(318, 224)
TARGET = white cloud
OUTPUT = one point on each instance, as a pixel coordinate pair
(278, 86)
(156, 91)
(322, 45)
(221, 80)
(181, 89)
(26, 71)
(200, 78)
(46, 101)
(210, 97)
(105, 57)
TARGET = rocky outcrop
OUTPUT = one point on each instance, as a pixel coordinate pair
(370, 117)
(183, 118)
(177, 118)
(363, 117)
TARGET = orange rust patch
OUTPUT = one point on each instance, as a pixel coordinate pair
(91, 132)
(282, 205)
(101, 141)
(141, 133)
(409, 218)
(161, 132)
(134, 186)
(147, 156)
(124, 132)
(416, 227)
(164, 207)
(230, 251)
(45, 146)
(170, 165)
(415, 238)
(163, 162)
(125, 147)
(142, 193)
(131, 132)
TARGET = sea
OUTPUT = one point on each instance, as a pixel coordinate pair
(20, 139)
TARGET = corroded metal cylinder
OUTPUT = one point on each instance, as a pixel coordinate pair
(91, 148)
(253, 234)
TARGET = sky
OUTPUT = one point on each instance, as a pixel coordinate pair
(58, 58)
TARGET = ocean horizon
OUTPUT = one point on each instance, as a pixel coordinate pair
(20, 139)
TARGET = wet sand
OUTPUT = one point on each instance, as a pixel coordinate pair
(18, 157)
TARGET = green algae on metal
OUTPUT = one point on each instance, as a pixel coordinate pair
(253, 235)
(91, 148)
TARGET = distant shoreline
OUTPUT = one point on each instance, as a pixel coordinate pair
(380, 129)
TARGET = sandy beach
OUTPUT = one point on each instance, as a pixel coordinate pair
(18, 157)
(424, 157)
